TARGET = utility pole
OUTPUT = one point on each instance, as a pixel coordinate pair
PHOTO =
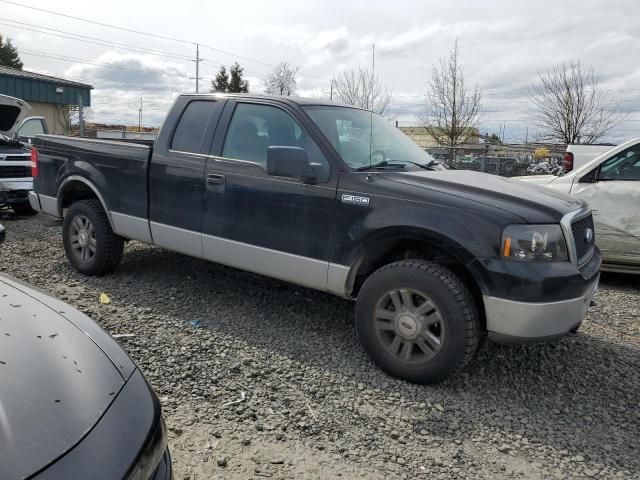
(80, 116)
(197, 66)
(140, 116)
(526, 137)
(373, 59)
(331, 91)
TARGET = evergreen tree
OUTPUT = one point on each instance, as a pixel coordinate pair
(236, 83)
(9, 55)
(221, 83)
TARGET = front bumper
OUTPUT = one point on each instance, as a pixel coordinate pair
(525, 302)
(511, 321)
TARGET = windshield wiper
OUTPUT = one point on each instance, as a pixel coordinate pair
(381, 165)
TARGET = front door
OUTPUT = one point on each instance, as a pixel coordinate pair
(614, 196)
(280, 227)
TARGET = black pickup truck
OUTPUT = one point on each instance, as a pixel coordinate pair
(334, 198)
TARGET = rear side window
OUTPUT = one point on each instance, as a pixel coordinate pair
(31, 128)
(191, 127)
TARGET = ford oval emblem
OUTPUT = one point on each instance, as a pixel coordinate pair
(588, 235)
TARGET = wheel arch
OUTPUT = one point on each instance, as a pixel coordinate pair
(74, 188)
(397, 243)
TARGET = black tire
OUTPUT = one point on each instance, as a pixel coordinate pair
(104, 248)
(455, 323)
(23, 209)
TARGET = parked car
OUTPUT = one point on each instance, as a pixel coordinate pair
(611, 185)
(72, 403)
(578, 155)
(16, 133)
(334, 198)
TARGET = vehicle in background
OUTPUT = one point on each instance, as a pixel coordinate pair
(611, 185)
(16, 134)
(335, 198)
(73, 404)
(578, 155)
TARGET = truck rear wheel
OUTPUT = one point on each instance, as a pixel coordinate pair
(417, 321)
(89, 242)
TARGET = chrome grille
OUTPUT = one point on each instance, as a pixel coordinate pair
(584, 244)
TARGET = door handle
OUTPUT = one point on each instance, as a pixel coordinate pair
(215, 179)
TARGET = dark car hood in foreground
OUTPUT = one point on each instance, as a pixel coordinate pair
(534, 204)
(55, 380)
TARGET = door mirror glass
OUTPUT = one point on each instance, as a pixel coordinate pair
(290, 162)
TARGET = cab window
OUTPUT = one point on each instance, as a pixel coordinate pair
(30, 128)
(623, 166)
(254, 128)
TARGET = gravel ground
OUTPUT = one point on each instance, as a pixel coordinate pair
(261, 379)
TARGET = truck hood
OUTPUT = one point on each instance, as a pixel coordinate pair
(12, 112)
(532, 203)
(55, 380)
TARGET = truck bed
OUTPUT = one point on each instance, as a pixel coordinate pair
(120, 165)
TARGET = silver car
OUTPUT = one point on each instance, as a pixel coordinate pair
(610, 183)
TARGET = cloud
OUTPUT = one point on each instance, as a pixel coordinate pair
(122, 81)
(131, 70)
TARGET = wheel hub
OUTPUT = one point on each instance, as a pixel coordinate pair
(408, 326)
(83, 239)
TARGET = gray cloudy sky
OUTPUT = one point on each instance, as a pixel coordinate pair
(503, 46)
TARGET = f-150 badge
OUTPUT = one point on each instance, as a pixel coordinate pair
(355, 199)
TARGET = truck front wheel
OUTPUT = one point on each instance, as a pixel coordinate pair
(417, 321)
(89, 242)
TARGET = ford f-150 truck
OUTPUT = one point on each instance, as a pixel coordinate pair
(337, 199)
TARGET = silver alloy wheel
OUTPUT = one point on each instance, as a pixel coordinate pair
(409, 325)
(83, 238)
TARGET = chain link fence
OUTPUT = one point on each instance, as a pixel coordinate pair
(507, 166)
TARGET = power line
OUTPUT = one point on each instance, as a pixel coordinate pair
(92, 40)
(125, 29)
(64, 58)
(139, 32)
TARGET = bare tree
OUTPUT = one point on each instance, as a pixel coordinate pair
(452, 110)
(570, 106)
(361, 88)
(282, 80)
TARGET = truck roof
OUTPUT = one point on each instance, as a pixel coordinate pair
(281, 98)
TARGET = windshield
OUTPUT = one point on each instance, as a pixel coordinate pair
(366, 140)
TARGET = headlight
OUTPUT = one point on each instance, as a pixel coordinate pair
(534, 243)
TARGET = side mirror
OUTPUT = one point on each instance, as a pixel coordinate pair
(2, 233)
(291, 162)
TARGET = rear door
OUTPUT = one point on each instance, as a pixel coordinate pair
(280, 227)
(176, 175)
(613, 193)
